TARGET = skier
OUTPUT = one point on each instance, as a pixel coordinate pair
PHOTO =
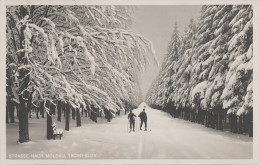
(143, 118)
(131, 117)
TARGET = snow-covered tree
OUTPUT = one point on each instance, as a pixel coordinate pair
(214, 71)
(78, 54)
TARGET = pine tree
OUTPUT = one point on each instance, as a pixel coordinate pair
(213, 75)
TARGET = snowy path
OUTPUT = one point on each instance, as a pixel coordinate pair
(169, 138)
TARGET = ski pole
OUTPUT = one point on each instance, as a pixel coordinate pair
(139, 124)
(127, 126)
(136, 126)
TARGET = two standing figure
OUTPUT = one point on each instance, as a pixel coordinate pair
(143, 117)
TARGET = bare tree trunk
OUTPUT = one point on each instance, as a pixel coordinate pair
(64, 108)
(240, 124)
(220, 119)
(54, 107)
(78, 119)
(23, 122)
(86, 112)
(231, 122)
(29, 105)
(59, 110)
(67, 122)
(206, 118)
(95, 115)
(73, 113)
(38, 109)
(235, 123)
(11, 111)
(49, 120)
(250, 131)
(245, 123)
(82, 111)
(7, 111)
(225, 116)
(42, 109)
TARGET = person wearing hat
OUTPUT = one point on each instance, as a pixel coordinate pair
(131, 117)
(143, 118)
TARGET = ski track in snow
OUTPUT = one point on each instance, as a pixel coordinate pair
(169, 138)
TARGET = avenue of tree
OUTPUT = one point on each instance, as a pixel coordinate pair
(207, 74)
(71, 60)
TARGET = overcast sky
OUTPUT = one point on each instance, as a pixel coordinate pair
(156, 24)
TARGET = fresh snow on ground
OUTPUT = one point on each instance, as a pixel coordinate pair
(169, 138)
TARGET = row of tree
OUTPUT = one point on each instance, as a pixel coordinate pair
(207, 75)
(62, 110)
(80, 55)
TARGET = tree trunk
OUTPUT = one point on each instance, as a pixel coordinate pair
(38, 109)
(59, 103)
(250, 117)
(64, 108)
(12, 113)
(225, 116)
(82, 111)
(18, 111)
(220, 117)
(213, 118)
(73, 113)
(49, 121)
(95, 115)
(29, 105)
(99, 113)
(199, 116)
(206, 119)
(11, 107)
(231, 122)
(202, 117)
(240, 124)
(29, 110)
(91, 115)
(54, 107)
(7, 111)
(67, 124)
(23, 122)
(78, 119)
(235, 123)
(245, 123)
(86, 112)
(24, 78)
(42, 109)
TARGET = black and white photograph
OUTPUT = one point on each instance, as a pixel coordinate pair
(105, 82)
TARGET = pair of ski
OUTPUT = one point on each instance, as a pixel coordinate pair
(141, 130)
(137, 123)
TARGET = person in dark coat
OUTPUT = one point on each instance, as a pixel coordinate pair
(131, 117)
(143, 118)
(108, 115)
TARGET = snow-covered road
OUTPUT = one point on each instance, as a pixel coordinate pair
(168, 138)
